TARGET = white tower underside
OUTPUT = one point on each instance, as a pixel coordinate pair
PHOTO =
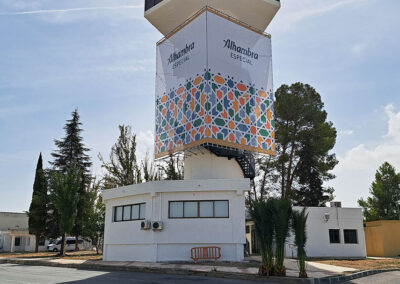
(202, 164)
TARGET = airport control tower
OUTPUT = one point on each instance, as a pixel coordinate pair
(214, 105)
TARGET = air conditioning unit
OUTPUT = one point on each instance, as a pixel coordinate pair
(156, 225)
(145, 225)
(336, 204)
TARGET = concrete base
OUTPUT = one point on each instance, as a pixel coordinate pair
(125, 241)
(202, 164)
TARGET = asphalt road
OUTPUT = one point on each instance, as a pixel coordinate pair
(392, 277)
(23, 274)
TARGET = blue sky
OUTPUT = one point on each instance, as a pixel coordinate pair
(99, 56)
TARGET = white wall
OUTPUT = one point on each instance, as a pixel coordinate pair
(125, 241)
(12, 221)
(318, 244)
(202, 164)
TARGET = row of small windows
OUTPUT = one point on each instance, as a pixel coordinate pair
(177, 209)
(130, 212)
(350, 236)
(199, 209)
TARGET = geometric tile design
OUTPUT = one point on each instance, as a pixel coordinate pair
(216, 109)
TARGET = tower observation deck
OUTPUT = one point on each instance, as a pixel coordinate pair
(166, 15)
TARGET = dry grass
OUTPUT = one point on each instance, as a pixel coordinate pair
(365, 264)
(84, 255)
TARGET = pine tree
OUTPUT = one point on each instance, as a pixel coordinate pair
(384, 202)
(304, 139)
(38, 208)
(72, 152)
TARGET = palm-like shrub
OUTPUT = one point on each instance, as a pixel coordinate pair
(281, 216)
(261, 212)
(299, 220)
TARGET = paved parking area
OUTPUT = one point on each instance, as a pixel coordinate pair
(392, 277)
(24, 274)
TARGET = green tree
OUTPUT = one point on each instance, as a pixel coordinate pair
(173, 170)
(265, 181)
(71, 151)
(94, 226)
(299, 225)
(38, 208)
(384, 204)
(65, 197)
(149, 169)
(261, 212)
(303, 141)
(281, 218)
(123, 167)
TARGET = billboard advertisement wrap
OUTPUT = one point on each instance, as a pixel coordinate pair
(214, 85)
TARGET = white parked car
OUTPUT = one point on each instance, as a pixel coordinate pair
(69, 245)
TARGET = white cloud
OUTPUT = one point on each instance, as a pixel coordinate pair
(50, 11)
(294, 11)
(60, 12)
(145, 143)
(346, 132)
(356, 169)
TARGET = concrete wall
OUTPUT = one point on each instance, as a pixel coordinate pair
(318, 244)
(126, 241)
(13, 221)
(202, 164)
(383, 238)
(14, 225)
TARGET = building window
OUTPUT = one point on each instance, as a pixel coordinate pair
(350, 236)
(247, 229)
(42, 241)
(199, 209)
(17, 241)
(130, 212)
(334, 236)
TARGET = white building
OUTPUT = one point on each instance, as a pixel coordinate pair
(192, 213)
(332, 232)
(14, 234)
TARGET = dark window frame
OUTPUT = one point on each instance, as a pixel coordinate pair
(332, 240)
(345, 237)
(115, 208)
(17, 244)
(198, 209)
(42, 242)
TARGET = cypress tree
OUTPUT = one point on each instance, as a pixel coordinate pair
(38, 209)
(71, 152)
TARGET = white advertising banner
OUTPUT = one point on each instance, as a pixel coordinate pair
(214, 85)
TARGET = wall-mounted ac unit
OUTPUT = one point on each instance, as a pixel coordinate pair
(145, 225)
(157, 225)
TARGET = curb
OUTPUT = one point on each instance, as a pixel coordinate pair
(344, 278)
(107, 267)
(180, 271)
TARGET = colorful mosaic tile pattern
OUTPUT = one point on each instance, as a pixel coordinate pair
(214, 109)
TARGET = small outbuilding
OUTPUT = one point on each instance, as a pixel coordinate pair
(14, 234)
(332, 232)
